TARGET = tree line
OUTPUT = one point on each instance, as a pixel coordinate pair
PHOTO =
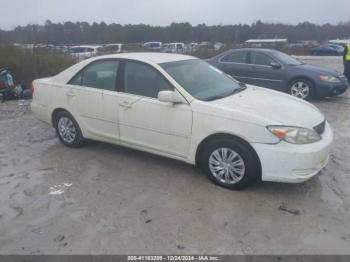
(99, 33)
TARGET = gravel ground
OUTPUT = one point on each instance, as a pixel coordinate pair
(105, 199)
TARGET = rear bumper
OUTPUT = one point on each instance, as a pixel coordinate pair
(285, 162)
(326, 90)
(41, 112)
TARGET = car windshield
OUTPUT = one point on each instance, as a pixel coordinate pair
(201, 80)
(286, 59)
(339, 48)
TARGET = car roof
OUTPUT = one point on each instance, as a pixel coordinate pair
(152, 42)
(256, 49)
(157, 58)
(86, 46)
(149, 58)
(264, 50)
(114, 44)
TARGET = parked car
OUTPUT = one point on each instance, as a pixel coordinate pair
(331, 50)
(176, 48)
(276, 70)
(110, 49)
(181, 107)
(84, 51)
(191, 48)
(218, 46)
(342, 43)
(153, 45)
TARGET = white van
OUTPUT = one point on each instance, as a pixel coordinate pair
(176, 48)
(84, 51)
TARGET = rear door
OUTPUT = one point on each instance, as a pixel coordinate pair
(262, 73)
(89, 98)
(235, 64)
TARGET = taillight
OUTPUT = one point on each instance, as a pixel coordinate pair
(32, 88)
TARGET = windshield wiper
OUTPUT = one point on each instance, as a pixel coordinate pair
(241, 84)
(238, 90)
(235, 91)
(300, 63)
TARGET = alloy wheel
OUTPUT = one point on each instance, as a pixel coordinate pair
(66, 130)
(227, 166)
(300, 89)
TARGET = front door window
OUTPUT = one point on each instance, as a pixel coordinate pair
(143, 80)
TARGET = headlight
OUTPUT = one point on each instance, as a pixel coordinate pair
(328, 78)
(295, 135)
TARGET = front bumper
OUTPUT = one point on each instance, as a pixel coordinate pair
(289, 163)
(328, 89)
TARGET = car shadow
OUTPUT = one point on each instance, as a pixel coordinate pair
(141, 156)
(193, 174)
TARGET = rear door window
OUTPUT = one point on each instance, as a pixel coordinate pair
(100, 75)
(235, 57)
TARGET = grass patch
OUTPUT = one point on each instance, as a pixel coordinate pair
(27, 65)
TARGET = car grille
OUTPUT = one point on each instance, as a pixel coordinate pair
(320, 128)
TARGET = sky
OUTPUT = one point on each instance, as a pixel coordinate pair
(164, 12)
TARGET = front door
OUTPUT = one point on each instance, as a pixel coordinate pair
(262, 73)
(146, 122)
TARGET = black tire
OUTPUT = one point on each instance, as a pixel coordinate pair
(78, 140)
(311, 86)
(252, 171)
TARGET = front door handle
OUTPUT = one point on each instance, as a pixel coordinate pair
(70, 94)
(125, 104)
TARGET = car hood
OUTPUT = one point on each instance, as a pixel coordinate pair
(270, 108)
(317, 69)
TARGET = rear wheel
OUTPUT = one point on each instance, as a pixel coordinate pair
(301, 88)
(230, 164)
(68, 130)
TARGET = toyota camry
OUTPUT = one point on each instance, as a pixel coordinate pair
(183, 108)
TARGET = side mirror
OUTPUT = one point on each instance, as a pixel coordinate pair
(170, 97)
(276, 65)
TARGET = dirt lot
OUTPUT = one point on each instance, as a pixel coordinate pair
(104, 199)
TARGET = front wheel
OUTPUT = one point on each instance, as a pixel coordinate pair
(230, 164)
(301, 88)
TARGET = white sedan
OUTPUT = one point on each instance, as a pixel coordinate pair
(181, 107)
